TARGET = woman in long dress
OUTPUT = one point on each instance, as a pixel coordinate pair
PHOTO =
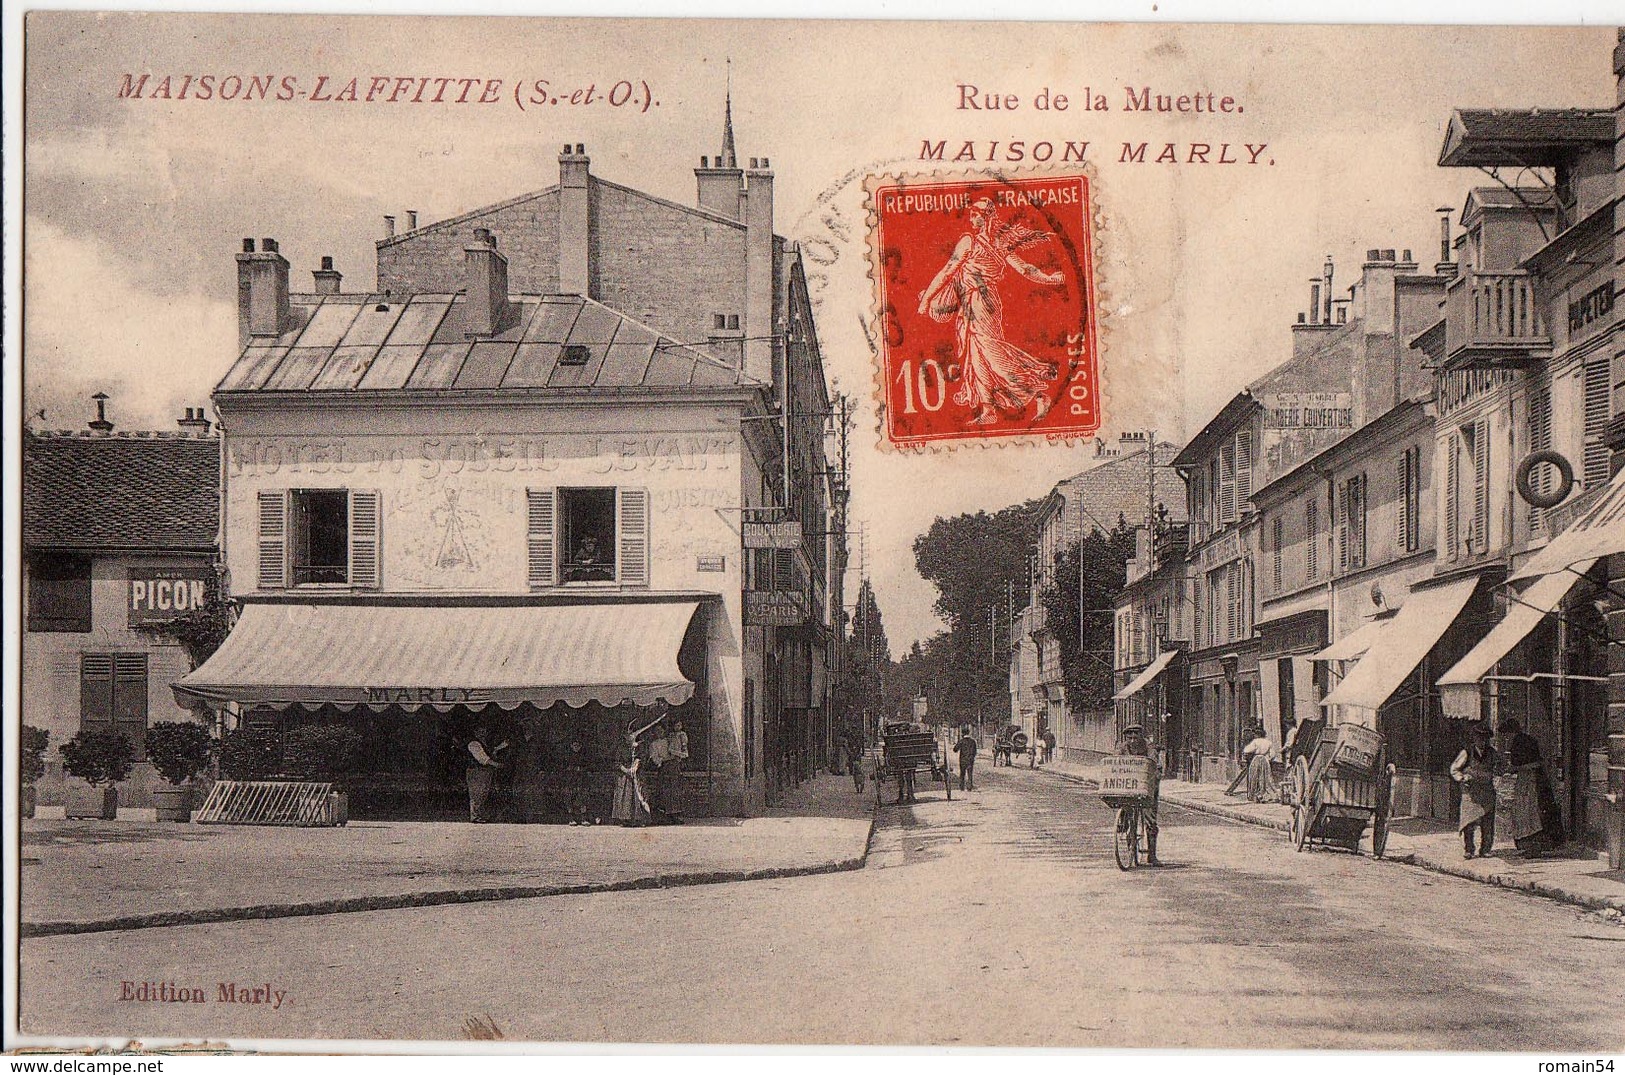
(631, 805)
(1475, 769)
(1537, 823)
(671, 773)
(1260, 779)
(996, 374)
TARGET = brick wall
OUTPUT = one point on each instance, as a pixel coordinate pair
(431, 260)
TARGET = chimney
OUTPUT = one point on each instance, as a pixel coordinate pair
(719, 182)
(1314, 300)
(757, 207)
(262, 292)
(1328, 271)
(411, 220)
(389, 227)
(194, 422)
(101, 424)
(485, 305)
(1446, 266)
(1377, 291)
(575, 222)
(327, 277)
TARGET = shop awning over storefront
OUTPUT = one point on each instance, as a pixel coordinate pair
(1598, 532)
(440, 657)
(1407, 638)
(1459, 687)
(1354, 644)
(1151, 672)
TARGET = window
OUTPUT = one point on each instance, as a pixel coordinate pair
(321, 536)
(1410, 500)
(725, 322)
(318, 537)
(113, 695)
(1356, 503)
(58, 592)
(582, 536)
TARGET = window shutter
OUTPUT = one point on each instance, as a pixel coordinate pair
(1311, 526)
(130, 698)
(1540, 439)
(1342, 513)
(1452, 495)
(95, 691)
(1244, 468)
(1357, 486)
(1232, 584)
(784, 570)
(1227, 483)
(633, 532)
(364, 538)
(1278, 536)
(540, 511)
(273, 561)
(1481, 485)
(1402, 514)
(1596, 421)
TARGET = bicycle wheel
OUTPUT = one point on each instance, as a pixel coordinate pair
(1126, 838)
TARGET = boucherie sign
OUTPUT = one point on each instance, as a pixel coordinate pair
(162, 593)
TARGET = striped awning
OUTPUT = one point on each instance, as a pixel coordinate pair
(419, 656)
(1151, 672)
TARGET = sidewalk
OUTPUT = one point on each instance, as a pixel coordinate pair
(1585, 881)
(88, 876)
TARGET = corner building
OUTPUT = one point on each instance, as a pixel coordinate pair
(525, 483)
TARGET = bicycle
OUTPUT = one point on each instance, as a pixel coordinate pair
(1128, 836)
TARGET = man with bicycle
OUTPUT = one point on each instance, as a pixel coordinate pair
(1135, 744)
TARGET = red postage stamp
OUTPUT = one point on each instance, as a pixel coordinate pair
(986, 306)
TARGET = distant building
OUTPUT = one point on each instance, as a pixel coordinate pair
(118, 535)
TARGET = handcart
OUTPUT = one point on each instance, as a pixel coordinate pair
(1341, 787)
(905, 750)
(1127, 785)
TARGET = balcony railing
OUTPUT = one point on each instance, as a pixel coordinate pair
(1493, 319)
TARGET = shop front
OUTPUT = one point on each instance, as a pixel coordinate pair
(416, 682)
(1291, 683)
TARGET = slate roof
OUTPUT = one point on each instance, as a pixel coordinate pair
(351, 342)
(1534, 137)
(157, 491)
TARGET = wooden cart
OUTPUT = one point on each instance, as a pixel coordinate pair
(1339, 789)
(905, 751)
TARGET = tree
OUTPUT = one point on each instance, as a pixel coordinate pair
(865, 660)
(202, 630)
(1086, 640)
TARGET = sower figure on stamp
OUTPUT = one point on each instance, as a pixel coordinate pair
(997, 375)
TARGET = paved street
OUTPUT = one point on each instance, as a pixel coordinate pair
(997, 918)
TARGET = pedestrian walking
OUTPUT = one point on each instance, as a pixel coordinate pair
(480, 766)
(1049, 747)
(1535, 820)
(1475, 769)
(966, 749)
(854, 758)
(1256, 757)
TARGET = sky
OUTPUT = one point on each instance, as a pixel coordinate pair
(134, 209)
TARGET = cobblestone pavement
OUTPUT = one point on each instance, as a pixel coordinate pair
(997, 918)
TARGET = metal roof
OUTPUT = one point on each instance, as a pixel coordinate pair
(348, 343)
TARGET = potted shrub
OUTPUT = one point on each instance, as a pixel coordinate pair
(180, 751)
(324, 753)
(100, 757)
(33, 743)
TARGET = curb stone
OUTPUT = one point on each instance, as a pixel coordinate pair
(442, 897)
(1512, 884)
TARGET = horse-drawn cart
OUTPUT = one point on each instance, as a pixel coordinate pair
(905, 750)
(1341, 787)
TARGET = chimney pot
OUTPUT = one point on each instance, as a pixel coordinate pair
(327, 262)
(411, 220)
(1302, 319)
(269, 246)
(248, 246)
(389, 226)
(100, 424)
(1388, 255)
(1373, 255)
(581, 149)
(1407, 256)
(566, 149)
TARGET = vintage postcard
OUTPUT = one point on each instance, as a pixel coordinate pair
(542, 532)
